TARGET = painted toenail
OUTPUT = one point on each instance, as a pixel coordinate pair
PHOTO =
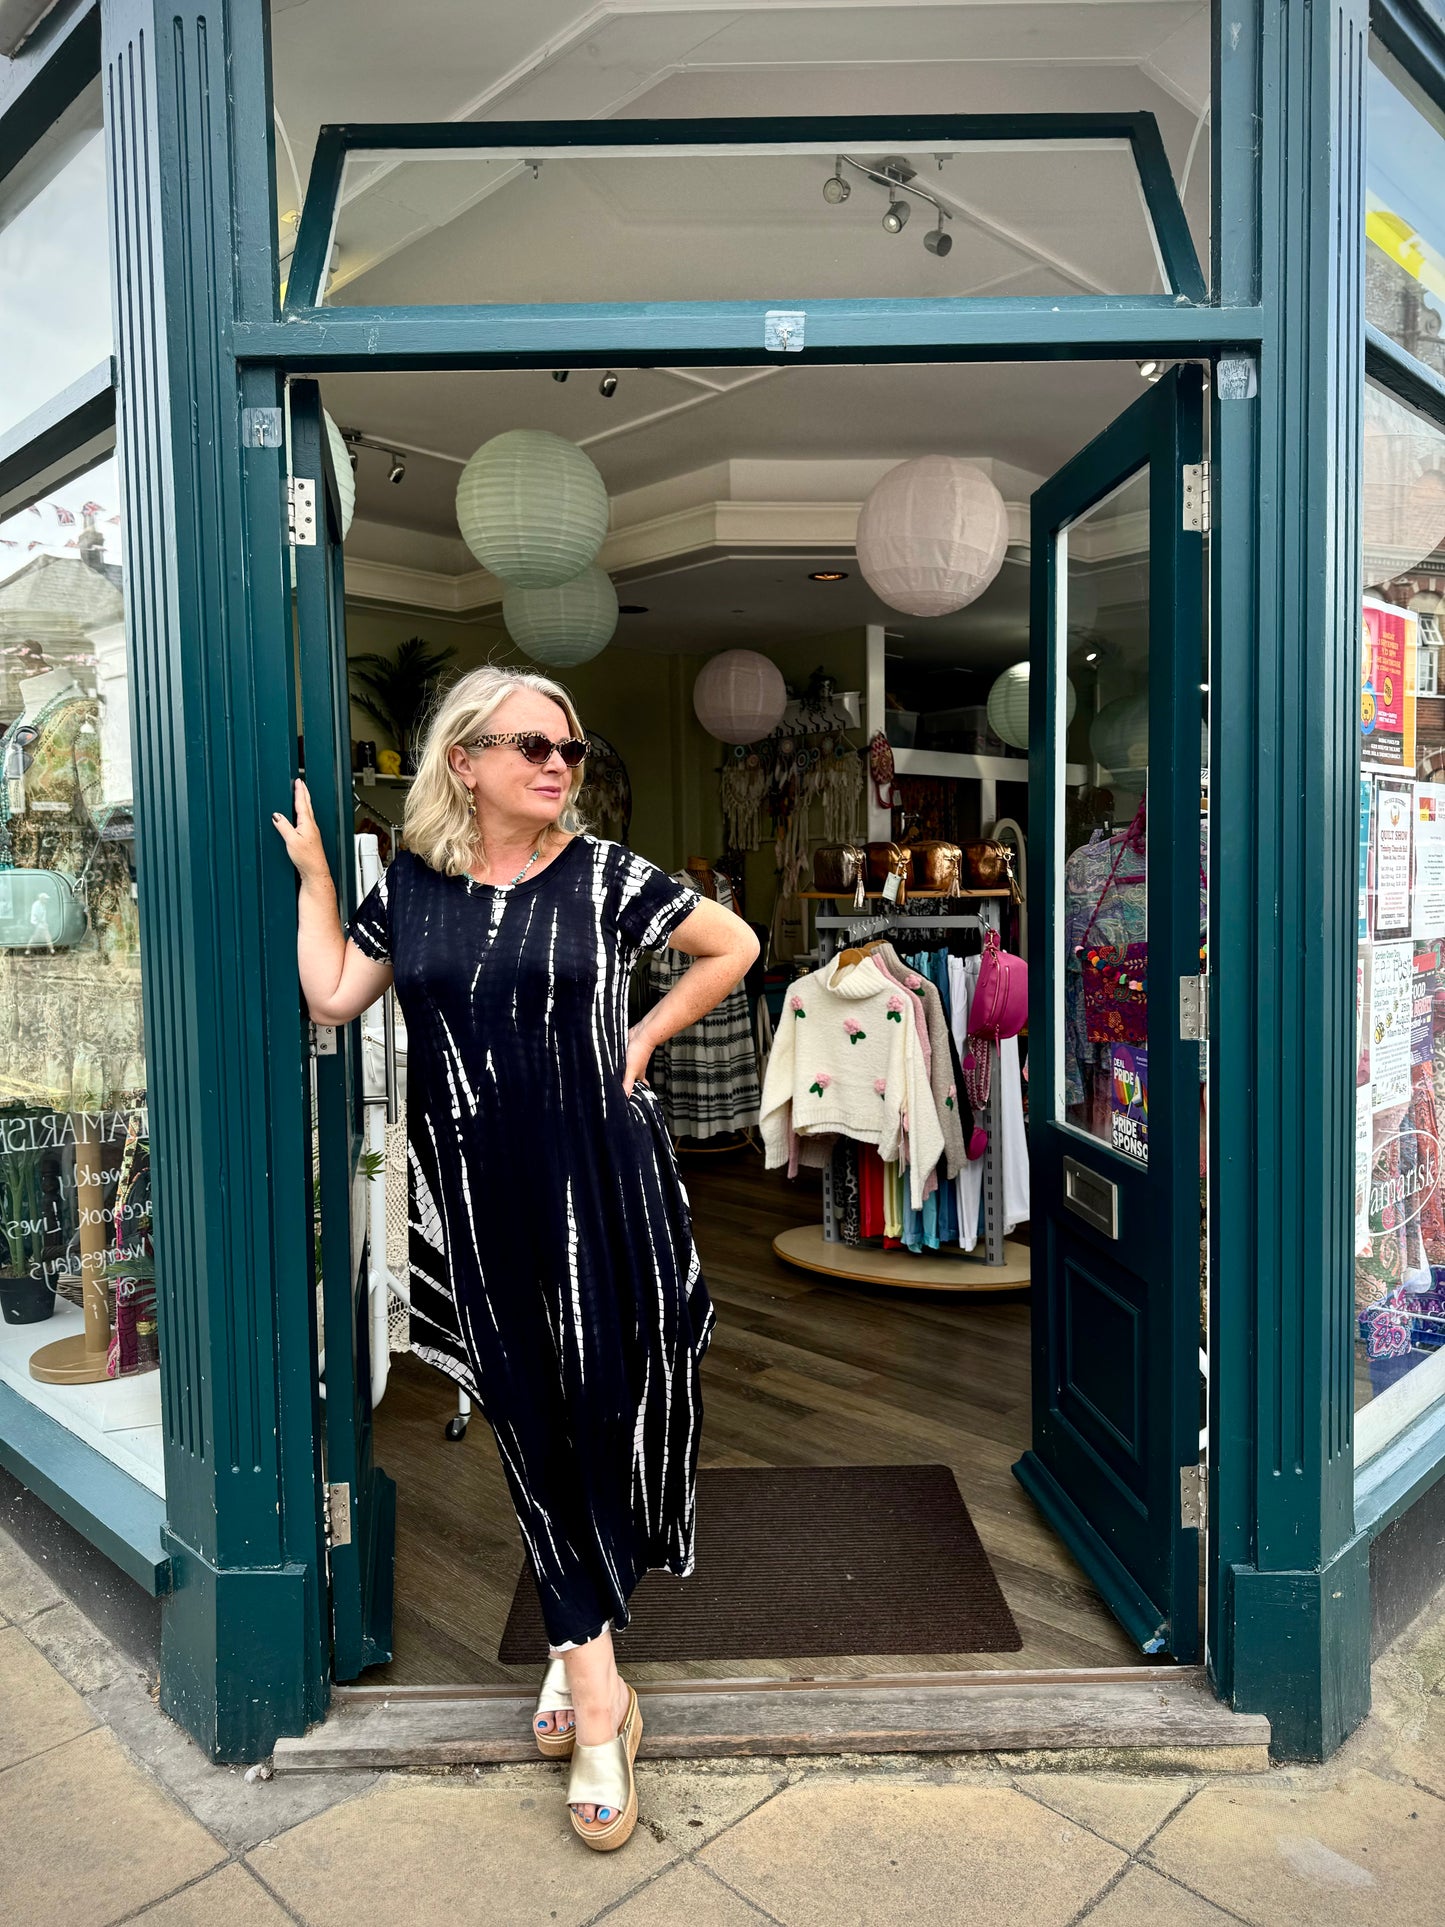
(604, 1813)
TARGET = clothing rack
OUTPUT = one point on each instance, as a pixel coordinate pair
(858, 928)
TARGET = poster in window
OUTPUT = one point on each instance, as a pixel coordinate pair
(1394, 841)
(1366, 788)
(1129, 1101)
(1387, 690)
(1392, 1010)
(1429, 903)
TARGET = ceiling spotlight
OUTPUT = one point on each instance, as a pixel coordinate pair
(632, 608)
(835, 189)
(896, 219)
(1151, 370)
(351, 457)
(828, 575)
(397, 472)
(936, 241)
(1092, 656)
(607, 387)
(560, 374)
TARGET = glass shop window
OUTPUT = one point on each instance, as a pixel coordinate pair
(1404, 212)
(78, 1336)
(1400, 979)
(54, 263)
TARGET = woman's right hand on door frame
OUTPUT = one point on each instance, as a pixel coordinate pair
(303, 839)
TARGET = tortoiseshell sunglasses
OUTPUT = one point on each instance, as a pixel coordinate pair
(535, 746)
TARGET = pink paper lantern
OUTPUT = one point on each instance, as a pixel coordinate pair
(739, 696)
(932, 535)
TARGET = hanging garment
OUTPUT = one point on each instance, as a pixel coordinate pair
(946, 1092)
(552, 1266)
(706, 1077)
(963, 979)
(847, 1058)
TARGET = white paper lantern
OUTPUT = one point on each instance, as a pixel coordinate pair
(568, 623)
(1404, 493)
(345, 473)
(1119, 734)
(1008, 705)
(739, 696)
(932, 535)
(532, 508)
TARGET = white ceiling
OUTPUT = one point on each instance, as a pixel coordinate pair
(659, 229)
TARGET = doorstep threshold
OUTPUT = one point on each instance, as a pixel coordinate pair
(1145, 1715)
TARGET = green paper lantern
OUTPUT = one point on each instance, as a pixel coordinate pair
(1008, 706)
(1119, 734)
(532, 508)
(568, 623)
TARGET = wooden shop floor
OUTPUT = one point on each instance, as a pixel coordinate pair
(801, 1371)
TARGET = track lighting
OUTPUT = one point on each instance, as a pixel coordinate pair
(1151, 370)
(560, 374)
(835, 189)
(897, 175)
(937, 242)
(896, 219)
(607, 387)
(397, 472)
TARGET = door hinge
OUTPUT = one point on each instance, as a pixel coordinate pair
(336, 1511)
(301, 511)
(1194, 1010)
(1197, 498)
(1193, 1496)
(323, 1040)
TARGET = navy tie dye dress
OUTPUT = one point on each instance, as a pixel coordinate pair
(552, 1266)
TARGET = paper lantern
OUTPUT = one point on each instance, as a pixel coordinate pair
(1008, 705)
(932, 535)
(1403, 506)
(567, 623)
(1119, 734)
(345, 473)
(739, 696)
(532, 508)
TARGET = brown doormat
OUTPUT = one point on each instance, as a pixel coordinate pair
(801, 1561)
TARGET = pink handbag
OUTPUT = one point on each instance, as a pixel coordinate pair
(1000, 1006)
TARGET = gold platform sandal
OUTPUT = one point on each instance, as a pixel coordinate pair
(555, 1697)
(602, 1777)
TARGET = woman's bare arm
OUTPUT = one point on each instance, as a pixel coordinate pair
(338, 980)
(724, 948)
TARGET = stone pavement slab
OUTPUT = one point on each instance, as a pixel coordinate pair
(86, 1837)
(1122, 1810)
(1360, 1849)
(230, 1898)
(436, 1853)
(831, 1851)
(686, 1893)
(1144, 1899)
(38, 1709)
(76, 1647)
(25, 1587)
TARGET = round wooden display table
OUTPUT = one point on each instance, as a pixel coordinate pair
(805, 1245)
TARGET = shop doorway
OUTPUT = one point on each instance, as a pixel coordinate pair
(1068, 1410)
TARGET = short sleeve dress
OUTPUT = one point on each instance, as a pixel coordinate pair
(553, 1271)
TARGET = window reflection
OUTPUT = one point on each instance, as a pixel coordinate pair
(76, 1274)
(1404, 212)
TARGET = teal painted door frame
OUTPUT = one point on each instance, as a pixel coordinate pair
(201, 341)
(1115, 1304)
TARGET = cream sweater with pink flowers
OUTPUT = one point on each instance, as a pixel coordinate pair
(846, 1057)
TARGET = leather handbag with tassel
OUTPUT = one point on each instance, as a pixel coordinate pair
(988, 865)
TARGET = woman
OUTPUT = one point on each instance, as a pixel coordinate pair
(552, 1265)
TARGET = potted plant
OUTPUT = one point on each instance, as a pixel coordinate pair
(397, 690)
(27, 1293)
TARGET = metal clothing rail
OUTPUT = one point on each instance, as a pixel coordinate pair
(858, 928)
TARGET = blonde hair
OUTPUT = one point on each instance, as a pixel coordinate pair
(440, 825)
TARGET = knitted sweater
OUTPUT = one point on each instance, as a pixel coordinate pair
(847, 1058)
(940, 1059)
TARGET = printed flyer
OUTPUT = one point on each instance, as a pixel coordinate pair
(1387, 691)
(1129, 1101)
(1366, 789)
(1429, 861)
(1394, 839)
(1392, 1010)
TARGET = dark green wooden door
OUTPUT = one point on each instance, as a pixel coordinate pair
(1116, 879)
(362, 1499)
